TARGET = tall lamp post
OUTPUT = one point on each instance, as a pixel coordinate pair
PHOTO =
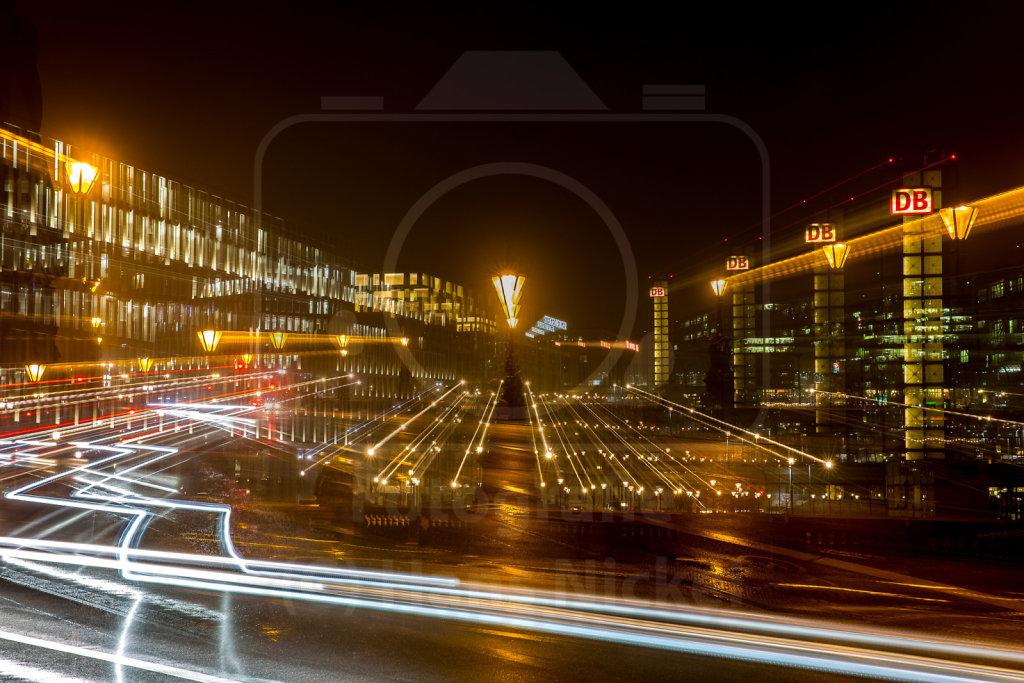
(80, 177)
(790, 461)
(958, 223)
(719, 287)
(719, 378)
(830, 339)
(510, 290)
(828, 484)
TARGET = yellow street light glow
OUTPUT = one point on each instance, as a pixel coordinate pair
(836, 254)
(719, 287)
(344, 352)
(246, 358)
(81, 175)
(958, 221)
(145, 364)
(510, 290)
(342, 340)
(277, 339)
(96, 322)
(209, 339)
(405, 341)
(35, 371)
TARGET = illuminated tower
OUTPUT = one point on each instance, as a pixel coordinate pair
(660, 348)
(922, 330)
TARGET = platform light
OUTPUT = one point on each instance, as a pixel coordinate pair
(959, 221)
(81, 176)
(209, 339)
(836, 254)
(719, 287)
(35, 371)
(510, 290)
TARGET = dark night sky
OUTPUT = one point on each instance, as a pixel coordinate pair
(188, 92)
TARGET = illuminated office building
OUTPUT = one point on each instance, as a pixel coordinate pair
(103, 261)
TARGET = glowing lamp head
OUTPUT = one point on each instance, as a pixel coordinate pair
(510, 291)
(96, 322)
(958, 221)
(35, 371)
(145, 364)
(836, 254)
(81, 176)
(719, 287)
(209, 339)
(405, 341)
(246, 358)
(342, 340)
(277, 339)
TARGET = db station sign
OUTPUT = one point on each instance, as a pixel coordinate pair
(912, 200)
(820, 233)
(657, 292)
(737, 263)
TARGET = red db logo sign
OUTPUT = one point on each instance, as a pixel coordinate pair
(818, 233)
(657, 291)
(737, 263)
(912, 200)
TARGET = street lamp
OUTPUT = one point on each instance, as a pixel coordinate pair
(277, 339)
(790, 461)
(81, 175)
(958, 221)
(145, 364)
(828, 483)
(836, 254)
(209, 339)
(35, 371)
(510, 290)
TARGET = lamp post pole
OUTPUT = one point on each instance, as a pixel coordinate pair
(790, 485)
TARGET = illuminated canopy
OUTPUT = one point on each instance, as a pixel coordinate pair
(510, 290)
(958, 221)
(836, 254)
